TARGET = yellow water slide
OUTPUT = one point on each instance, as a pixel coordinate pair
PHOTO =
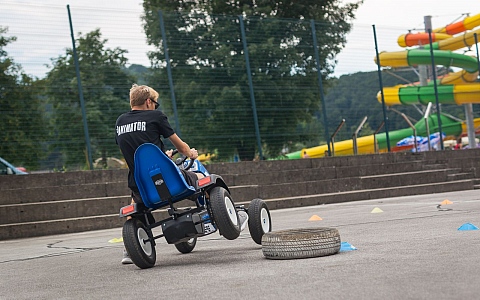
(455, 88)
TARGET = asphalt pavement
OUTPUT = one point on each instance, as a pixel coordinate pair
(406, 248)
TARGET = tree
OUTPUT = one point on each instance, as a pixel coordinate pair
(138, 71)
(105, 88)
(212, 89)
(22, 128)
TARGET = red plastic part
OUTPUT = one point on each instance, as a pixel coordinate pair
(204, 181)
(128, 209)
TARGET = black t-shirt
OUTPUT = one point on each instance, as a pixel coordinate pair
(138, 127)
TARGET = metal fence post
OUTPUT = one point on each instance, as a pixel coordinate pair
(80, 93)
(385, 117)
(320, 84)
(250, 84)
(435, 86)
(169, 73)
(375, 146)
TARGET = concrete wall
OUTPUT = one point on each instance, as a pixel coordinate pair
(109, 183)
(52, 203)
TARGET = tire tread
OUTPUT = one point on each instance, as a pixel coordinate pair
(301, 243)
(224, 224)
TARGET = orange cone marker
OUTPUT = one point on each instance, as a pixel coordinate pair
(315, 218)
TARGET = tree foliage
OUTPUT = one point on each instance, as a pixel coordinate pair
(22, 128)
(105, 89)
(209, 69)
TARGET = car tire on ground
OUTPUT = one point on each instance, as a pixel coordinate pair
(135, 238)
(224, 213)
(186, 247)
(259, 220)
(301, 243)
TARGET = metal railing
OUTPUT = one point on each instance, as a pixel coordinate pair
(332, 138)
(355, 134)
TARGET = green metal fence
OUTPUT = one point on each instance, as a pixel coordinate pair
(234, 86)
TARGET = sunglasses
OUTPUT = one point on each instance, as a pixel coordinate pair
(156, 103)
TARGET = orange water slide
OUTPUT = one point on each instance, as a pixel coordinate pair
(442, 34)
(466, 24)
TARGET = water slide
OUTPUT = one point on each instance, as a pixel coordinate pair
(455, 88)
(365, 144)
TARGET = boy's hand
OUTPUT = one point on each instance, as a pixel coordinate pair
(193, 153)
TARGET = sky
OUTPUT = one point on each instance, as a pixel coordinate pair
(393, 18)
(42, 28)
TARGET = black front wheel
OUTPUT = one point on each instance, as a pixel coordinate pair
(259, 220)
(138, 245)
(186, 247)
(224, 213)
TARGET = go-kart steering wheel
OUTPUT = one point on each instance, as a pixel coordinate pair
(179, 161)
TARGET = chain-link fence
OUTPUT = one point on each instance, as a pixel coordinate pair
(233, 87)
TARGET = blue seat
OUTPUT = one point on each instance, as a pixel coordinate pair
(158, 179)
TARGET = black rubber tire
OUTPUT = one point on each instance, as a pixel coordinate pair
(186, 247)
(142, 254)
(301, 243)
(259, 220)
(224, 213)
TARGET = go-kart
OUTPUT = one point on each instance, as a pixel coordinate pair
(161, 185)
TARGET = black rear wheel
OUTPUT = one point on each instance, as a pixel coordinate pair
(186, 247)
(138, 245)
(224, 213)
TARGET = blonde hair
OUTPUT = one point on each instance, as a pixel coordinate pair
(140, 93)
